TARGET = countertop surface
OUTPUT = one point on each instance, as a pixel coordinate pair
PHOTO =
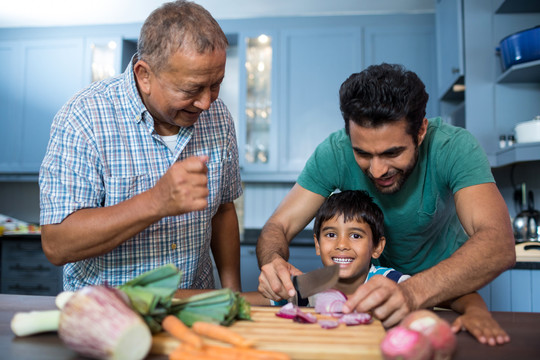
(523, 328)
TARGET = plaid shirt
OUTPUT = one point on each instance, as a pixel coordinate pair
(103, 150)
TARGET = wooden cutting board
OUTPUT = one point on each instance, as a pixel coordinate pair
(300, 341)
(528, 251)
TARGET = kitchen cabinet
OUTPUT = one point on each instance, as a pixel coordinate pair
(258, 128)
(495, 101)
(42, 69)
(297, 104)
(514, 290)
(25, 269)
(103, 58)
(314, 61)
(311, 57)
(303, 257)
(450, 58)
(520, 83)
(42, 75)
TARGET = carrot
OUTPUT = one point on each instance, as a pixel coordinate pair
(237, 353)
(179, 330)
(221, 333)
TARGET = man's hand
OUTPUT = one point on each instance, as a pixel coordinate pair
(275, 279)
(183, 188)
(386, 299)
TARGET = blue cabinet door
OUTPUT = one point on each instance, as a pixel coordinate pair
(450, 59)
(514, 290)
(314, 63)
(413, 46)
(50, 72)
(11, 94)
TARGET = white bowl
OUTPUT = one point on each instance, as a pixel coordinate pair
(528, 131)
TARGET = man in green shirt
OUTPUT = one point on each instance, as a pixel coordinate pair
(445, 220)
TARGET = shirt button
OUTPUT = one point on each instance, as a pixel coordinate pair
(173, 246)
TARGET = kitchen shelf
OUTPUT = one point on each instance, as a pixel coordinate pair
(518, 6)
(528, 72)
(518, 153)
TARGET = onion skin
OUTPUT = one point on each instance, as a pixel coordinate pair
(401, 343)
(96, 322)
(438, 331)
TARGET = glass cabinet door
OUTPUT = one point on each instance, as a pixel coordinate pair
(104, 58)
(257, 139)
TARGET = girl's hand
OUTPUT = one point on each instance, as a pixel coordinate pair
(480, 324)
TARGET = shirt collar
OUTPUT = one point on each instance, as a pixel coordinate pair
(132, 93)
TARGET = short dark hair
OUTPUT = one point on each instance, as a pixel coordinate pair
(352, 205)
(383, 94)
(176, 25)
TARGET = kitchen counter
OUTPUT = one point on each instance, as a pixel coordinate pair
(523, 328)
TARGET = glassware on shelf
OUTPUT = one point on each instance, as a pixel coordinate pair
(258, 98)
(103, 60)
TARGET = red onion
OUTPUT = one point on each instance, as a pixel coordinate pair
(355, 319)
(303, 317)
(291, 311)
(288, 311)
(328, 324)
(401, 343)
(438, 331)
(329, 302)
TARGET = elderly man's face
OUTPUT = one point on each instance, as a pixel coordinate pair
(178, 94)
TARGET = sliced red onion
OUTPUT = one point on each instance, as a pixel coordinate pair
(288, 311)
(335, 308)
(329, 302)
(291, 311)
(329, 324)
(303, 317)
(355, 319)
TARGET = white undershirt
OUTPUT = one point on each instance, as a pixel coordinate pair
(170, 141)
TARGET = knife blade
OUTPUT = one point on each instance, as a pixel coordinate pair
(315, 281)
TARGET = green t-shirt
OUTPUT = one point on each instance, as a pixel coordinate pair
(421, 224)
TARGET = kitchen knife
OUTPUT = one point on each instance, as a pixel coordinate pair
(315, 281)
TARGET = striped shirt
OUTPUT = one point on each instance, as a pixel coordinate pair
(387, 272)
(103, 150)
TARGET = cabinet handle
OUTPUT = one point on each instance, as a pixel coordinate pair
(455, 70)
(19, 267)
(252, 252)
(28, 288)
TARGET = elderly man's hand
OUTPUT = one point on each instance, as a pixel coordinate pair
(382, 296)
(183, 188)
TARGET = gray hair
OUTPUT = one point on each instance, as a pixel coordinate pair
(178, 25)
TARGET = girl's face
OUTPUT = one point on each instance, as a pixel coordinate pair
(349, 244)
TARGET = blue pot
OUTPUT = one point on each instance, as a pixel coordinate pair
(521, 47)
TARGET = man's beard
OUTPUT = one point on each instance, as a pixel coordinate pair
(401, 175)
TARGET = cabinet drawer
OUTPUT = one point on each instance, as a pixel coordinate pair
(27, 269)
(24, 286)
(25, 259)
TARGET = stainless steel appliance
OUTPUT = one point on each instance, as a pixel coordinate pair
(526, 223)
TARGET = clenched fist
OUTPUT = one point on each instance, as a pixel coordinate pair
(183, 188)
